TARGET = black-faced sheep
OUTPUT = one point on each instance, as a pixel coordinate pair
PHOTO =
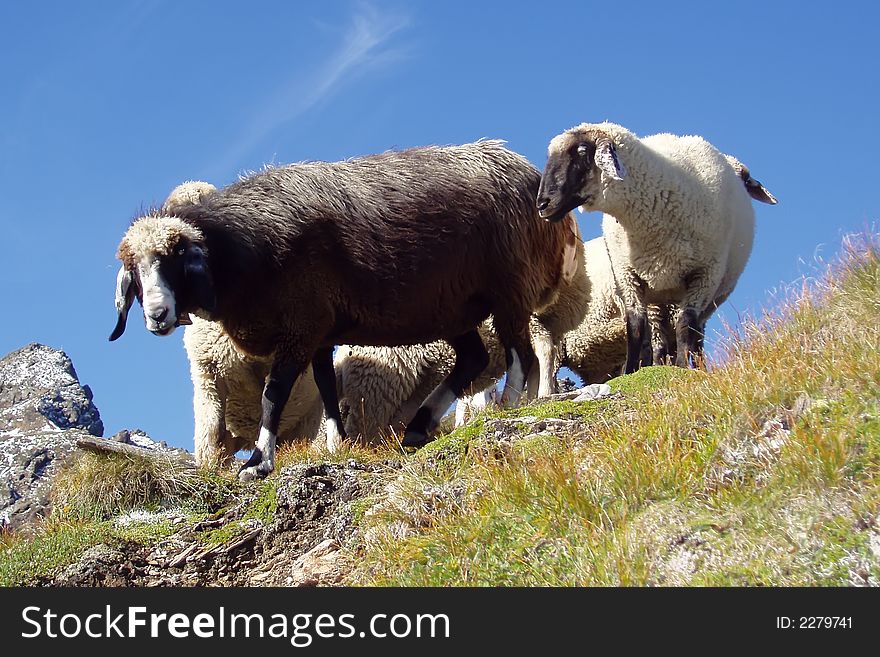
(398, 248)
(228, 383)
(678, 223)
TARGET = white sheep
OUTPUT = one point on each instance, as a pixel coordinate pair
(227, 391)
(228, 384)
(677, 221)
(596, 349)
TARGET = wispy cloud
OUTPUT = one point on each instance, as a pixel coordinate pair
(364, 46)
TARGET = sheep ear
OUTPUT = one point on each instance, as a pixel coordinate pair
(198, 278)
(125, 293)
(758, 192)
(573, 241)
(607, 160)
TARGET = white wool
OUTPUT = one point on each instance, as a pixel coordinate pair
(682, 208)
(227, 396)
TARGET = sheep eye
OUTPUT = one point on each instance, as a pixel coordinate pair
(181, 250)
(582, 150)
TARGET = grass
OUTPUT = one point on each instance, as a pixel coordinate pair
(762, 471)
(94, 489)
(62, 540)
(99, 486)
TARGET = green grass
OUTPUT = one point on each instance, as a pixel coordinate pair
(61, 541)
(260, 507)
(94, 489)
(688, 478)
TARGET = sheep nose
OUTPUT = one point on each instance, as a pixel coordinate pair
(158, 317)
(543, 203)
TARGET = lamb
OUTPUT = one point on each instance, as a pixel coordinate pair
(677, 221)
(399, 248)
(228, 383)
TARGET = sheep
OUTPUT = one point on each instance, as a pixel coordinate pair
(404, 247)
(227, 387)
(677, 221)
(380, 388)
(596, 349)
(228, 383)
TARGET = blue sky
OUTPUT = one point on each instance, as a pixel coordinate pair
(106, 106)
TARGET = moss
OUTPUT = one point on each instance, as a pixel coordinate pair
(265, 504)
(452, 446)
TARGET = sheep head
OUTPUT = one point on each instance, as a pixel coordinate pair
(579, 162)
(165, 266)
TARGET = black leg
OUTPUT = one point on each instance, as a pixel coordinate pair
(664, 340)
(325, 379)
(647, 355)
(636, 322)
(279, 383)
(519, 354)
(471, 358)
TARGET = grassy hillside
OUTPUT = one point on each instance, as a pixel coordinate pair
(764, 470)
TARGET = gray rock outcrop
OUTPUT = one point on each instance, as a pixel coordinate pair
(43, 410)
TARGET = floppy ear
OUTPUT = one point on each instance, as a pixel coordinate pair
(758, 192)
(125, 293)
(607, 160)
(570, 262)
(198, 278)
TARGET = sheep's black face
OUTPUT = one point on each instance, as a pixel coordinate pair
(169, 286)
(179, 283)
(566, 181)
(580, 164)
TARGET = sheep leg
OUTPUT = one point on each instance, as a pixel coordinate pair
(647, 355)
(542, 379)
(520, 360)
(633, 292)
(689, 334)
(471, 358)
(691, 321)
(325, 378)
(279, 383)
(209, 405)
(662, 334)
(466, 408)
(636, 327)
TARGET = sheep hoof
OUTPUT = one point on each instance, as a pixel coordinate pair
(414, 439)
(255, 468)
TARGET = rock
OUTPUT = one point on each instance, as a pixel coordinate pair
(318, 566)
(100, 565)
(43, 412)
(123, 437)
(592, 392)
(39, 390)
(27, 461)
